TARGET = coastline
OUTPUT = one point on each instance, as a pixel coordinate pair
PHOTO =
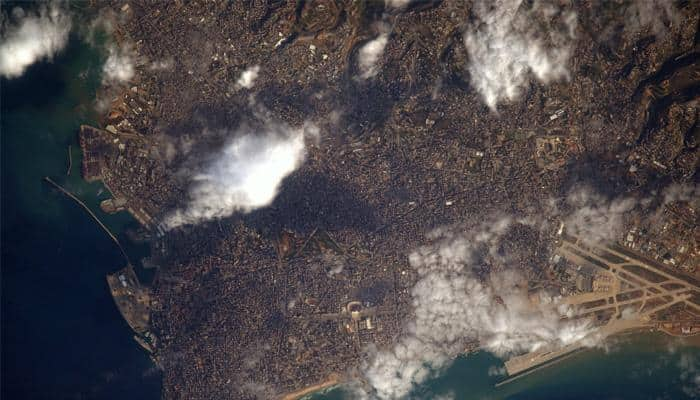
(328, 384)
(66, 263)
(618, 362)
(64, 337)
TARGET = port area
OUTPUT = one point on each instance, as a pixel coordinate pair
(134, 303)
(105, 155)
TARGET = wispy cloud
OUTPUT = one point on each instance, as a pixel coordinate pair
(445, 396)
(656, 15)
(682, 192)
(246, 174)
(596, 218)
(497, 371)
(31, 38)
(690, 374)
(508, 42)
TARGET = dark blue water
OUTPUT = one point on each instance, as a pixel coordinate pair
(62, 336)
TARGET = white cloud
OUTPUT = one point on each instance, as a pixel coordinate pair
(370, 54)
(248, 77)
(245, 175)
(34, 37)
(119, 66)
(508, 43)
(398, 4)
(161, 65)
(452, 306)
(595, 218)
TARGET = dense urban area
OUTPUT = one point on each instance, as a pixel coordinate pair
(282, 300)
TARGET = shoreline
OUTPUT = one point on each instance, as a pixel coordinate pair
(332, 381)
(654, 341)
(319, 368)
(58, 250)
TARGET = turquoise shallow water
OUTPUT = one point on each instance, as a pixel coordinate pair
(63, 338)
(642, 366)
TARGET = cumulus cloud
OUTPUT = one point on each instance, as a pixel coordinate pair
(508, 42)
(119, 66)
(595, 218)
(248, 77)
(33, 37)
(370, 54)
(245, 175)
(453, 306)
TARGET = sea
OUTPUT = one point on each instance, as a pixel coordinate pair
(63, 337)
(642, 366)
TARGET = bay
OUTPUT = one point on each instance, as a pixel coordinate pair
(636, 367)
(62, 335)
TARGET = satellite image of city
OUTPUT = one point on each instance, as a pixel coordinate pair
(347, 199)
